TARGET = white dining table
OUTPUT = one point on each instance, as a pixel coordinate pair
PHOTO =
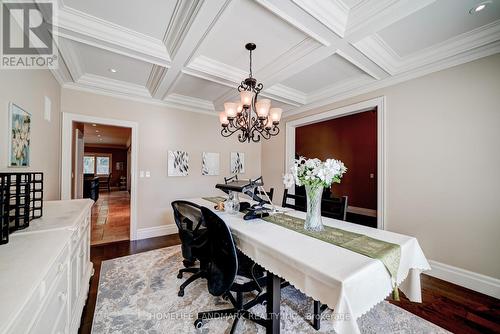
(347, 282)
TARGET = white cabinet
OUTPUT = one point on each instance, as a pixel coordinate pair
(46, 269)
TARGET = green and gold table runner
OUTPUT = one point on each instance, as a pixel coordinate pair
(386, 252)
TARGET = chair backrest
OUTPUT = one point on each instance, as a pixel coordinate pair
(299, 201)
(222, 259)
(269, 193)
(334, 207)
(189, 220)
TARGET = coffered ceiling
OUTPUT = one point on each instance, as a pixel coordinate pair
(190, 54)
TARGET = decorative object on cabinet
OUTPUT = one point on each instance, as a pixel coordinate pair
(237, 163)
(178, 163)
(21, 197)
(19, 136)
(4, 222)
(210, 163)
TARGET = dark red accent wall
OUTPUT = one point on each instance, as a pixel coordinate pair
(352, 139)
(117, 155)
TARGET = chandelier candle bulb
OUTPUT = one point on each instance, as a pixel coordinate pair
(231, 110)
(246, 97)
(262, 107)
(275, 114)
(240, 107)
(223, 119)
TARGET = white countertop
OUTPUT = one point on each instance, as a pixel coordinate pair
(57, 215)
(30, 253)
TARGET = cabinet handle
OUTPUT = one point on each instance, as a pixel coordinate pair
(63, 296)
(81, 254)
(60, 268)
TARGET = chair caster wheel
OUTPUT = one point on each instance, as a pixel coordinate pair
(179, 275)
(198, 323)
(180, 293)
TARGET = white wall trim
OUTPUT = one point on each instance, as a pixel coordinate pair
(66, 149)
(379, 103)
(156, 231)
(362, 211)
(478, 282)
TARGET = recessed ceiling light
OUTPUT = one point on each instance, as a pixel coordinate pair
(94, 124)
(100, 139)
(113, 70)
(98, 135)
(479, 7)
(96, 131)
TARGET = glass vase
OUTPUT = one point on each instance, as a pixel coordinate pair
(313, 216)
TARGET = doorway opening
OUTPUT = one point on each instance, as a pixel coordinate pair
(99, 161)
(355, 135)
(101, 172)
(353, 140)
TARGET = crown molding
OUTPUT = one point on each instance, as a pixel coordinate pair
(112, 85)
(70, 59)
(184, 14)
(285, 94)
(192, 103)
(332, 14)
(293, 21)
(213, 70)
(139, 99)
(381, 53)
(468, 56)
(288, 60)
(88, 29)
(155, 77)
(339, 88)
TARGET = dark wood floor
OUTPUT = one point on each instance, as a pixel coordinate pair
(450, 306)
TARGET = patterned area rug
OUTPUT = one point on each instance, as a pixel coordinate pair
(138, 294)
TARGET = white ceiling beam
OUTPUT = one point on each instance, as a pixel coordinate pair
(205, 18)
(84, 28)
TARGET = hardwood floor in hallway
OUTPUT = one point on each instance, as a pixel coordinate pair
(111, 217)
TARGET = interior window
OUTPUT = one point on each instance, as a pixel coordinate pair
(88, 164)
(102, 165)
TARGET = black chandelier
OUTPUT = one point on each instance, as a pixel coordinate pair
(250, 117)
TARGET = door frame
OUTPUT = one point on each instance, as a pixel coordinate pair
(379, 103)
(66, 149)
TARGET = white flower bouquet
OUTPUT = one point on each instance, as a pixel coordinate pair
(314, 172)
(315, 175)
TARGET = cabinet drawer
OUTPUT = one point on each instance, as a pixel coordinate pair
(54, 307)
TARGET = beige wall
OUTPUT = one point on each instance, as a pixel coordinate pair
(162, 129)
(27, 89)
(443, 162)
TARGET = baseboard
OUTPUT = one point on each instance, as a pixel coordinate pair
(156, 231)
(481, 283)
(362, 211)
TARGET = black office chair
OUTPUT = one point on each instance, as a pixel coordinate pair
(226, 272)
(193, 237)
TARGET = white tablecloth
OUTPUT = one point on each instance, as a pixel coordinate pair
(348, 282)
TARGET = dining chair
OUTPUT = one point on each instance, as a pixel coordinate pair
(269, 193)
(193, 235)
(105, 182)
(228, 272)
(299, 201)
